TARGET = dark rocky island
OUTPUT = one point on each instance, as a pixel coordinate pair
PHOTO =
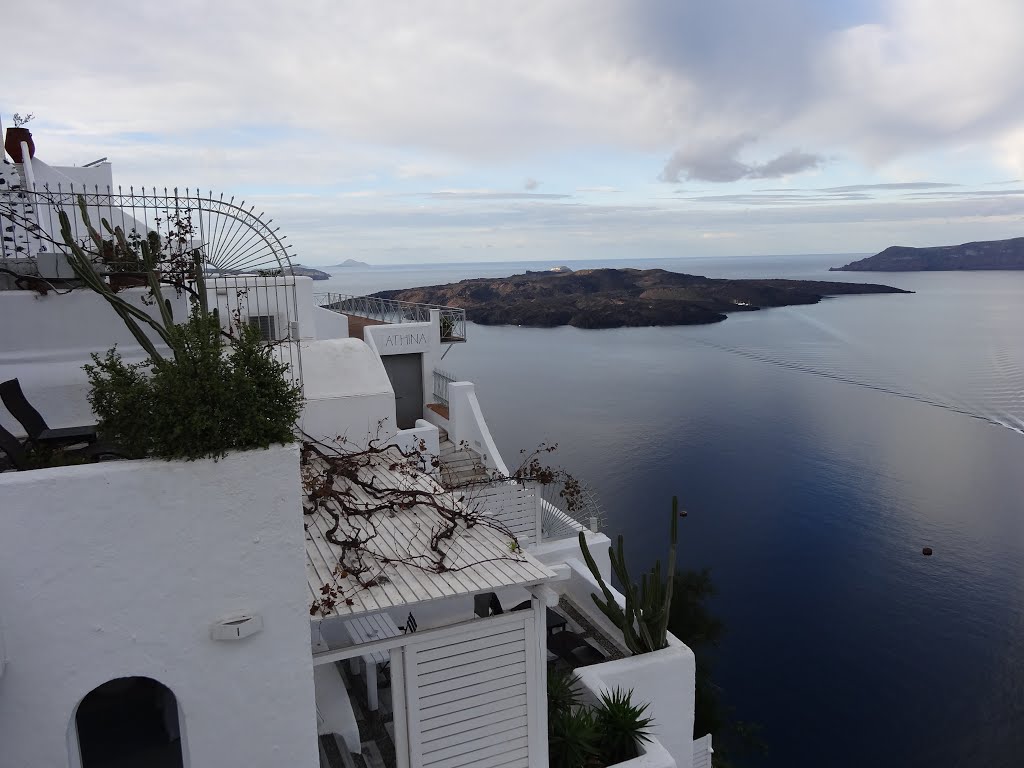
(316, 274)
(613, 298)
(987, 254)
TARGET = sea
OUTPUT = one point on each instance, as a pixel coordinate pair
(817, 450)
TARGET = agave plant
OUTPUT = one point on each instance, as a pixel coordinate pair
(573, 738)
(563, 691)
(621, 726)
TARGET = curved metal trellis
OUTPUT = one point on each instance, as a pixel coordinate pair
(232, 238)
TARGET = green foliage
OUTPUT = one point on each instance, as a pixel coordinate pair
(644, 618)
(209, 399)
(563, 691)
(447, 327)
(621, 726)
(572, 739)
(585, 737)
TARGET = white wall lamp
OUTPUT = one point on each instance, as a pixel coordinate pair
(237, 627)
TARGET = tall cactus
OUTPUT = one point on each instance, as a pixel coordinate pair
(644, 617)
(81, 264)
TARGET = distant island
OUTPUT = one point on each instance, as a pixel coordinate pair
(316, 274)
(350, 263)
(613, 298)
(987, 254)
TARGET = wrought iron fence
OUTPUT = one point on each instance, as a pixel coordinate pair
(453, 319)
(441, 381)
(245, 263)
(231, 238)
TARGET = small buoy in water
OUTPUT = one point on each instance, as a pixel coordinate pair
(926, 551)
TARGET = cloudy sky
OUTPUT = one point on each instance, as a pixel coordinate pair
(399, 132)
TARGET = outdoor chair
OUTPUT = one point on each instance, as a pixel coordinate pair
(486, 605)
(573, 649)
(35, 425)
(17, 455)
(14, 450)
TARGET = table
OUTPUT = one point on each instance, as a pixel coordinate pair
(366, 629)
(555, 622)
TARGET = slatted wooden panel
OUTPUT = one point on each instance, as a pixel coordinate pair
(468, 698)
(702, 752)
(514, 506)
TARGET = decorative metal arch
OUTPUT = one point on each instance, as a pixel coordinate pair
(233, 239)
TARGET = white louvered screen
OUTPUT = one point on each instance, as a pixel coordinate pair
(468, 697)
(515, 507)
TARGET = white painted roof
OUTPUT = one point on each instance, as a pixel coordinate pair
(478, 558)
(364, 372)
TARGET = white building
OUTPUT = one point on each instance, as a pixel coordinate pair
(173, 613)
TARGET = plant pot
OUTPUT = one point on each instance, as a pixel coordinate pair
(13, 143)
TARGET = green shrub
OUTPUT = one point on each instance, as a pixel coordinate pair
(621, 726)
(209, 399)
(572, 739)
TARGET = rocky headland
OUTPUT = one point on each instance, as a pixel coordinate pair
(613, 298)
(986, 254)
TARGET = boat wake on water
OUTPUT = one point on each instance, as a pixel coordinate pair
(997, 390)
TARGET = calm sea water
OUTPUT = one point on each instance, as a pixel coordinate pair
(817, 449)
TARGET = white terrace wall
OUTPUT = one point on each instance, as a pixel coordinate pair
(347, 392)
(46, 340)
(411, 338)
(665, 679)
(120, 569)
(286, 299)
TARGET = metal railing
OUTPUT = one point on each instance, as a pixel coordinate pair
(453, 319)
(245, 262)
(231, 238)
(441, 381)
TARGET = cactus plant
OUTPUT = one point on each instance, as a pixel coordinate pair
(81, 264)
(643, 619)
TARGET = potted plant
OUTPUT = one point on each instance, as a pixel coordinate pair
(18, 134)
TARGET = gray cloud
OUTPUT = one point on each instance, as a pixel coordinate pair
(718, 162)
(474, 194)
(531, 184)
(894, 185)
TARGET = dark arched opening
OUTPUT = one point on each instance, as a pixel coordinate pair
(130, 721)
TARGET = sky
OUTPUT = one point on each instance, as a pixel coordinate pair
(548, 130)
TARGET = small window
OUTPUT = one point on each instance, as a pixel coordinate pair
(266, 325)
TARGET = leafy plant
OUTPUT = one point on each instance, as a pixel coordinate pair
(621, 726)
(219, 392)
(572, 739)
(20, 121)
(644, 618)
(211, 398)
(563, 690)
(447, 327)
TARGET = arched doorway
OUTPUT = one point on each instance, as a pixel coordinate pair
(130, 721)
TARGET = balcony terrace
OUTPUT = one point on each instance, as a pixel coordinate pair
(373, 310)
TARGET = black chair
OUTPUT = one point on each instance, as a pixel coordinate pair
(12, 447)
(411, 625)
(486, 605)
(35, 425)
(18, 455)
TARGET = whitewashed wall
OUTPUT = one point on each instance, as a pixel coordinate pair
(666, 679)
(468, 425)
(347, 392)
(47, 339)
(411, 338)
(119, 569)
(287, 299)
(328, 324)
